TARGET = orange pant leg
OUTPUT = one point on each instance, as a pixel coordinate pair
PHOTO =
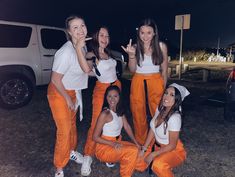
(140, 163)
(138, 108)
(65, 120)
(155, 87)
(97, 103)
(126, 155)
(163, 164)
(138, 101)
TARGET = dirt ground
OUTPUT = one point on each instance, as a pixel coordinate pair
(27, 137)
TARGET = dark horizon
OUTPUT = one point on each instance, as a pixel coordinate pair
(210, 19)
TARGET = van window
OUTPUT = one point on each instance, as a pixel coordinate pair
(53, 39)
(13, 36)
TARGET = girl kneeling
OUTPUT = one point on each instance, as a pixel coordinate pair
(107, 134)
(165, 128)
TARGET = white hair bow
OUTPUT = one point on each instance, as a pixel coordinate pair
(183, 91)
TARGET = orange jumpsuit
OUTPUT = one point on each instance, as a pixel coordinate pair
(163, 164)
(97, 103)
(65, 120)
(155, 88)
(127, 155)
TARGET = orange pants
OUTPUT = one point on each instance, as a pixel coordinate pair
(155, 88)
(65, 120)
(163, 164)
(126, 155)
(97, 103)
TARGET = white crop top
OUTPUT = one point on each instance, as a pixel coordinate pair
(147, 66)
(174, 124)
(66, 63)
(114, 127)
(107, 69)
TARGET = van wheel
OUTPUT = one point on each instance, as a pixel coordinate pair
(16, 90)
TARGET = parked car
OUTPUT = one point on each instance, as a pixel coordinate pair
(26, 58)
(229, 108)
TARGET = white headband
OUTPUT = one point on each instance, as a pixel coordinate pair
(183, 91)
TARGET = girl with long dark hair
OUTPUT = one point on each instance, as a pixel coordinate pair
(165, 129)
(104, 67)
(148, 59)
(107, 135)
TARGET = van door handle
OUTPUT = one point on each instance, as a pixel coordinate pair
(48, 55)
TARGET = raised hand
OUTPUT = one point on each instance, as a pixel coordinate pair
(81, 41)
(130, 49)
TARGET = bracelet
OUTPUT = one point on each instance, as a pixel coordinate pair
(143, 149)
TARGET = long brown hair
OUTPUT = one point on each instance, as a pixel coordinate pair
(157, 57)
(95, 43)
(175, 108)
(120, 108)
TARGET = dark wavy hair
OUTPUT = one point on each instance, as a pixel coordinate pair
(175, 108)
(157, 56)
(67, 24)
(119, 109)
(95, 43)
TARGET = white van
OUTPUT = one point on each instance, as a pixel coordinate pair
(26, 58)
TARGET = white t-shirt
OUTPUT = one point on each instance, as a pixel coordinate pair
(174, 124)
(114, 127)
(66, 63)
(147, 66)
(107, 69)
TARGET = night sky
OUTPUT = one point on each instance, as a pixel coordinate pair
(210, 19)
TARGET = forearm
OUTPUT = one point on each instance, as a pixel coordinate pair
(131, 135)
(164, 149)
(164, 76)
(132, 64)
(102, 141)
(164, 65)
(82, 60)
(60, 87)
(149, 138)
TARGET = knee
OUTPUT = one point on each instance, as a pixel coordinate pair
(63, 131)
(131, 152)
(160, 167)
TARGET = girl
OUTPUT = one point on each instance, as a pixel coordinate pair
(104, 67)
(107, 134)
(165, 128)
(148, 59)
(69, 76)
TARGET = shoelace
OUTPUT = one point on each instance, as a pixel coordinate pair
(73, 156)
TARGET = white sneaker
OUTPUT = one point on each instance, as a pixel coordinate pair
(59, 174)
(76, 156)
(110, 165)
(86, 166)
